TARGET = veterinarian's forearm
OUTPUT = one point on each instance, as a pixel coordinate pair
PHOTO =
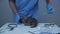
(12, 6)
(49, 1)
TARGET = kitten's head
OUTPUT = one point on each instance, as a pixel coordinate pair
(23, 19)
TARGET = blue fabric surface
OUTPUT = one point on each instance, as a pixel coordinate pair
(27, 7)
(45, 33)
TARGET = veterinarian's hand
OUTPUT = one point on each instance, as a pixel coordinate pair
(17, 17)
(50, 9)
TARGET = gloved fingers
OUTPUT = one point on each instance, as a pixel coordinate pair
(17, 17)
(50, 9)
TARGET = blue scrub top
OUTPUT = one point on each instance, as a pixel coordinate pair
(27, 8)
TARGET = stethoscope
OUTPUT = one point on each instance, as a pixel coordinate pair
(9, 28)
(12, 26)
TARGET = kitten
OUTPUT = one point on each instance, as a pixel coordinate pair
(29, 21)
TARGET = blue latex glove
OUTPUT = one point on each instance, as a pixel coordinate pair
(50, 9)
(17, 17)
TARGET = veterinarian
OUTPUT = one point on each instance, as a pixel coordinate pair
(28, 8)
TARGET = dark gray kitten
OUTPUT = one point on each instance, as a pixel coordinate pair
(29, 21)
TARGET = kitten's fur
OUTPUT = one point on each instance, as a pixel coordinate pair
(29, 21)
